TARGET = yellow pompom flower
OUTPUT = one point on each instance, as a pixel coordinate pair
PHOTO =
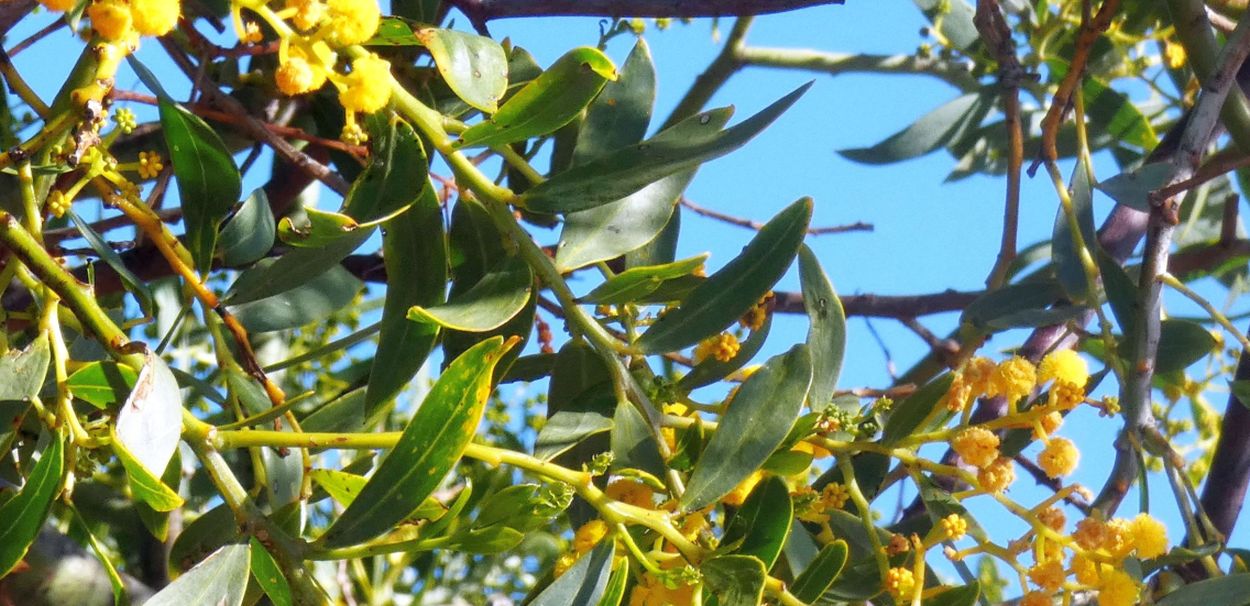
(296, 73)
(997, 476)
(111, 19)
(352, 21)
(368, 86)
(834, 495)
(1036, 598)
(900, 583)
(1048, 575)
(1065, 396)
(155, 17)
(1119, 539)
(977, 374)
(754, 318)
(739, 494)
(1090, 533)
(722, 347)
(651, 591)
(1050, 422)
(1064, 366)
(954, 526)
(632, 492)
(1013, 379)
(150, 164)
(1150, 536)
(307, 12)
(958, 395)
(1053, 518)
(589, 535)
(1059, 457)
(1086, 571)
(977, 446)
(1117, 589)
(564, 563)
(58, 5)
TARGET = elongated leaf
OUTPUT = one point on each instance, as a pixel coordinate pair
(931, 131)
(414, 245)
(22, 371)
(150, 422)
(577, 421)
(430, 445)
(1115, 113)
(635, 282)
(615, 228)
(630, 169)
(552, 100)
(756, 422)
(763, 522)
(208, 181)
(620, 114)
(249, 234)
(310, 302)
(615, 591)
(1181, 343)
(24, 513)
(321, 229)
(221, 580)
(204, 535)
(1133, 188)
(584, 583)
(1231, 590)
(293, 269)
(1023, 304)
(475, 67)
(736, 580)
(660, 249)
(633, 444)
(906, 416)
(964, 595)
(395, 176)
(730, 292)
(501, 294)
(954, 20)
(712, 370)
(826, 333)
(821, 573)
(1067, 258)
(144, 484)
(134, 285)
(102, 384)
(267, 574)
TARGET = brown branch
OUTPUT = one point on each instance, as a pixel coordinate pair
(885, 306)
(481, 11)
(37, 36)
(756, 225)
(1089, 33)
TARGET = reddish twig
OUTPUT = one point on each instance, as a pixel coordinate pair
(37, 36)
(756, 225)
(1090, 31)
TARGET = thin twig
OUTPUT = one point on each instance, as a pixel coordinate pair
(481, 11)
(1089, 33)
(756, 225)
(717, 73)
(37, 36)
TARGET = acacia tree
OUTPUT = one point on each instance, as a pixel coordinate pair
(232, 426)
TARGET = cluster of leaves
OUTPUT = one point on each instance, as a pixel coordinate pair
(173, 450)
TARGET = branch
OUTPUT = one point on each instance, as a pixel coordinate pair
(481, 11)
(756, 225)
(955, 73)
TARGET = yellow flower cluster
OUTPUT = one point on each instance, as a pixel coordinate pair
(812, 506)
(1016, 378)
(954, 526)
(1013, 379)
(150, 164)
(754, 318)
(1059, 457)
(654, 591)
(900, 583)
(125, 21)
(977, 446)
(632, 492)
(722, 347)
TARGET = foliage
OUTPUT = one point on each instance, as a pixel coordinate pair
(238, 433)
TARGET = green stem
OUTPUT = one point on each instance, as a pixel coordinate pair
(865, 515)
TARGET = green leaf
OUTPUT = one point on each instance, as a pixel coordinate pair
(134, 285)
(395, 177)
(292, 270)
(573, 423)
(221, 580)
(615, 228)
(736, 580)
(620, 114)
(1181, 343)
(208, 181)
(475, 67)
(143, 483)
(681, 148)
(310, 302)
(321, 229)
(492, 539)
(1115, 113)
(726, 295)
(501, 294)
(1067, 258)
(953, 18)
(964, 595)
(414, 245)
(343, 487)
(1241, 390)
(659, 250)
(24, 513)
(940, 503)
(267, 574)
(1023, 305)
(636, 282)
(394, 31)
(150, 422)
(933, 130)
(155, 521)
(614, 593)
(763, 522)
(204, 535)
(1121, 290)
(757, 420)
(826, 333)
(1132, 188)
(1231, 590)
(431, 444)
(633, 444)
(907, 416)
(552, 100)
(712, 370)
(22, 372)
(248, 235)
(584, 583)
(821, 573)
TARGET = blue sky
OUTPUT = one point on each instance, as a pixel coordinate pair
(929, 236)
